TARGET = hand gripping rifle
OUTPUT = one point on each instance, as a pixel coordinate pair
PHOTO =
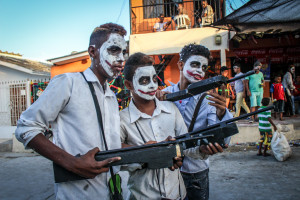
(203, 86)
(160, 155)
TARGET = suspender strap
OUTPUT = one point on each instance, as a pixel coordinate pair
(197, 108)
(99, 116)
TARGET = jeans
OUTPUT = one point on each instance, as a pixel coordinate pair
(197, 185)
(290, 106)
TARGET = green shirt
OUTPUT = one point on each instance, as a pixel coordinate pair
(264, 125)
(255, 82)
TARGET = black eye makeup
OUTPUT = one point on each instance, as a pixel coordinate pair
(144, 80)
(195, 64)
(114, 50)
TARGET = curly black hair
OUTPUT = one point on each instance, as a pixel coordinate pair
(102, 32)
(193, 49)
(135, 61)
(265, 101)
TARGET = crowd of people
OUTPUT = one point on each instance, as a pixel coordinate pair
(84, 117)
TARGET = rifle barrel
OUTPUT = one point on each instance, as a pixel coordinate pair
(229, 121)
(242, 76)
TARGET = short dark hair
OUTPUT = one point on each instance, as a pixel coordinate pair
(135, 61)
(277, 75)
(265, 101)
(193, 49)
(257, 63)
(102, 32)
(237, 64)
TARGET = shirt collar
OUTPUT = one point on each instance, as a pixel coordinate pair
(176, 89)
(91, 77)
(135, 113)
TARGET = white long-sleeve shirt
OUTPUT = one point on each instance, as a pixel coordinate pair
(67, 105)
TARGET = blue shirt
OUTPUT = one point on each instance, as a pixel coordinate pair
(206, 116)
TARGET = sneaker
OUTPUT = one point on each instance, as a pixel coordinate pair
(250, 120)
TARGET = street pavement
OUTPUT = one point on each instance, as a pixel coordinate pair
(233, 175)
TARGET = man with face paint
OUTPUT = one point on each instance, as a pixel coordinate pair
(67, 105)
(192, 65)
(255, 89)
(145, 121)
(289, 87)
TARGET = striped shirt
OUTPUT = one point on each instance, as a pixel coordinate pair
(264, 124)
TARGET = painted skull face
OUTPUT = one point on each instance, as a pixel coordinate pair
(194, 68)
(145, 82)
(293, 69)
(111, 54)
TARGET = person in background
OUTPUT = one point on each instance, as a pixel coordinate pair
(182, 19)
(207, 13)
(239, 87)
(161, 25)
(265, 129)
(277, 94)
(289, 87)
(255, 88)
(228, 88)
(297, 94)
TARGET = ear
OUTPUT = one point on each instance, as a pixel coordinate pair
(128, 84)
(92, 51)
(180, 65)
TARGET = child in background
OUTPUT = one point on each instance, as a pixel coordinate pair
(265, 129)
(277, 93)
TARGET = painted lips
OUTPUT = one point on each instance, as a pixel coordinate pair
(152, 93)
(119, 67)
(196, 76)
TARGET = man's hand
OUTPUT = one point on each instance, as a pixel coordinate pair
(150, 142)
(160, 95)
(177, 161)
(86, 165)
(248, 93)
(219, 101)
(211, 149)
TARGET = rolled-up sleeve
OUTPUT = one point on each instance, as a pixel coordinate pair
(41, 113)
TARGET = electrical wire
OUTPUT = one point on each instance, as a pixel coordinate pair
(122, 8)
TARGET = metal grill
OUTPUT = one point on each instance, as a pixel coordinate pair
(18, 101)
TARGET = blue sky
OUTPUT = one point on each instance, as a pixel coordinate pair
(44, 29)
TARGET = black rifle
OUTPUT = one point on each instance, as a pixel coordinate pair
(203, 86)
(160, 155)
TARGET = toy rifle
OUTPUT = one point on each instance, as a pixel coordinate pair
(160, 155)
(203, 86)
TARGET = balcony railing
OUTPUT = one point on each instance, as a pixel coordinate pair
(143, 18)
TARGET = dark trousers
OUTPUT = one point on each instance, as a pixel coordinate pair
(197, 185)
(290, 108)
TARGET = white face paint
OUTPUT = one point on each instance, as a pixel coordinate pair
(145, 82)
(293, 69)
(194, 68)
(111, 54)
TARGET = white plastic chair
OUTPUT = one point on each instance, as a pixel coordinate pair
(181, 21)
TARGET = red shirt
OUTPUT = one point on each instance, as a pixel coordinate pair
(278, 92)
(297, 90)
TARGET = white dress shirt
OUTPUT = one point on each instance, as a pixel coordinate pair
(206, 116)
(165, 121)
(67, 105)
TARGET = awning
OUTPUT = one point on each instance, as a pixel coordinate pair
(170, 42)
(264, 16)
